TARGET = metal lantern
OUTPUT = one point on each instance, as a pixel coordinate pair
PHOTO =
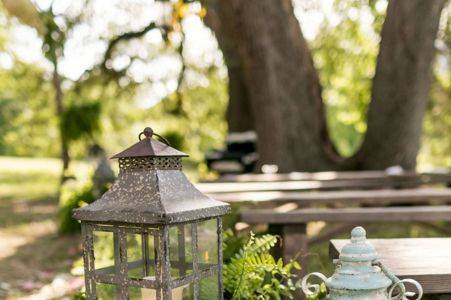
(360, 275)
(153, 235)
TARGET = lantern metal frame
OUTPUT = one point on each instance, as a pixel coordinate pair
(163, 283)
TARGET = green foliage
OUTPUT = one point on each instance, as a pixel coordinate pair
(73, 199)
(232, 244)
(345, 55)
(79, 296)
(9, 110)
(322, 293)
(81, 120)
(54, 37)
(203, 124)
(27, 121)
(253, 273)
(175, 139)
(73, 196)
(436, 148)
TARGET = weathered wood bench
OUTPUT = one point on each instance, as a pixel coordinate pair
(427, 260)
(291, 225)
(307, 185)
(425, 177)
(379, 197)
(341, 183)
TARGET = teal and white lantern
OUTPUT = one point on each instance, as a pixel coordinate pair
(359, 275)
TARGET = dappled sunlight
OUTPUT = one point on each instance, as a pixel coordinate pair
(27, 262)
(13, 237)
(28, 225)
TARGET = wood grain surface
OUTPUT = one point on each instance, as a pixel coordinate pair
(427, 260)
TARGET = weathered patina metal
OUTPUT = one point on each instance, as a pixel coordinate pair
(150, 197)
(360, 275)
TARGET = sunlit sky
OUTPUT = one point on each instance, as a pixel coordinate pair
(156, 71)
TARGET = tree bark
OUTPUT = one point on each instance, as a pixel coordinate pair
(65, 158)
(401, 85)
(283, 85)
(221, 20)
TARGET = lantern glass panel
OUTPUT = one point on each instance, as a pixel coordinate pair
(105, 291)
(207, 235)
(180, 250)
(141, 254)
(179, 293)
(104, 251)
(209, 288)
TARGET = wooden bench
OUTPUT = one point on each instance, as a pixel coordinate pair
(427, 260)
(342, 183)
(427, 177)
(291, 225)
(381, 197)
(307, 185)
(299, 176)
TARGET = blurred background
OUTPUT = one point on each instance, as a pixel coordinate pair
(308, 85)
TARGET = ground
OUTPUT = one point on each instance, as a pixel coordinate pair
(32, 253)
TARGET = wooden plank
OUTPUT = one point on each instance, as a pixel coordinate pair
(330, 232)
(426, 260)
(437, 177)
(308, 185)
(385, 196)
(428, 177)
(301, 176)
(349, 215)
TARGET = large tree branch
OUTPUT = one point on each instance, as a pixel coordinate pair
(112, 44)
(125, 37)
(181, 77)
(401, 85)
(221, 19)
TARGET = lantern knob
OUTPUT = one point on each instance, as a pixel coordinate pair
(148, 132)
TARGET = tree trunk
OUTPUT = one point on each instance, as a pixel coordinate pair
(283, 85)
(401, 85)
(269, 62)
(221, 20)
(65, 158)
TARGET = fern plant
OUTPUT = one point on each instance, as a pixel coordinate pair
(253, 273)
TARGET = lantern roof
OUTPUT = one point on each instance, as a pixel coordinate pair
(150, 147)
(151, 189)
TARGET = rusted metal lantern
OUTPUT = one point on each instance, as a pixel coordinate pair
(163, 236)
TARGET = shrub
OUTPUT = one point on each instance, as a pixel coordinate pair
(253, 273)
(75, 199)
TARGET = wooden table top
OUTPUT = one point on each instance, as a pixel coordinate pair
(427, 260)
